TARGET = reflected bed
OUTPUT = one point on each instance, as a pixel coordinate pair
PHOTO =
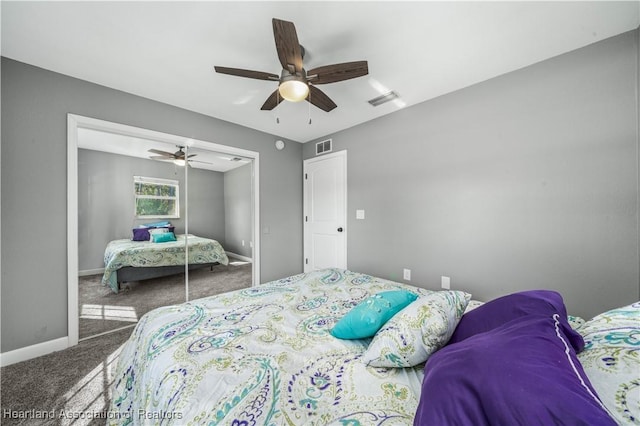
(127, 260)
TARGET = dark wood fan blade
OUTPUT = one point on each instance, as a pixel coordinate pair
(338, 72)
(258, 75)
(191, 155)
(318, 98)
(165, 153)
(272, 101)
(287, 45)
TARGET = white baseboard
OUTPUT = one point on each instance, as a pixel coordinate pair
(238, 256)
(87, 272)
(107, 332)
(33, 351)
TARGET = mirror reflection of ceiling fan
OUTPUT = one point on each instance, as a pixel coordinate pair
(295, 83)
(178, 157)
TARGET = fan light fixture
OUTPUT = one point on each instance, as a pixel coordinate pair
(293, 89)
(295, 81)
(179, 162)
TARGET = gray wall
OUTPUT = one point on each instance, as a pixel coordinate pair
(237, 207)
(528, 180)
(106, 202)
(35, 103)
(206, 204)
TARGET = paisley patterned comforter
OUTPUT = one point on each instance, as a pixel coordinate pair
(262, 356)
(121, 253)
(611, 359)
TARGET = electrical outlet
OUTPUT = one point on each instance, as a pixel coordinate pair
(242, 243)
(406, 274)
(445, 282)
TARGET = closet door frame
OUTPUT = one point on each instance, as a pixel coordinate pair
(75, 122)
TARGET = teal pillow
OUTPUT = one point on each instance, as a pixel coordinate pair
(163, 237)
(365, 319)
(157, 224)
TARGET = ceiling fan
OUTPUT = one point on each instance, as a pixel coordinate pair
(178, 158)
(295, 83)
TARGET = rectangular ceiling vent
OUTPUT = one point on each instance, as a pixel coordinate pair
(323, 147)
(389, 96)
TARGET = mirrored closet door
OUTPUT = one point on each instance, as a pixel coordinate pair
(220, 226)
(128, 195)
(159, 222)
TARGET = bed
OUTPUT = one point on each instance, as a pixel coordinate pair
(267, 355)
(127, 260)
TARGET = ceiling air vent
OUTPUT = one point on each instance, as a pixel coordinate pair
(389, 96)
(323, 147)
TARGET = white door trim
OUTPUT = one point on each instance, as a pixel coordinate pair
(343, 154)
(74, 122)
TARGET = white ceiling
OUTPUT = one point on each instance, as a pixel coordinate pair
(138, 147)
(166, 51)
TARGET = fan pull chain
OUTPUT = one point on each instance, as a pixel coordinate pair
(277, 103)
(309, 107)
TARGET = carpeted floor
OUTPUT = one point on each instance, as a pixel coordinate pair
(102, 310)
(71, 387)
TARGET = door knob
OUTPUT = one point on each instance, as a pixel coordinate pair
(340, 229)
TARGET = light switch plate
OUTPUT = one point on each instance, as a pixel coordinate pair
(446, 283)
(406, 274)
(359, 214)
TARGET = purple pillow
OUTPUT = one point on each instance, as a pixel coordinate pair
(140, 234)
(514, 306)
(524, 372)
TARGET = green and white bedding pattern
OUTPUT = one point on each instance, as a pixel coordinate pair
(262, 356)
(611, 359)
(121, 253)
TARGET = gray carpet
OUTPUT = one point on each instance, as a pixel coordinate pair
(75, 382)
(102, 310)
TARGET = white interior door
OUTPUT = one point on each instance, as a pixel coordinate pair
(325, 207)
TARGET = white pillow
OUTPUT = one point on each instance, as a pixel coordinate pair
(158, 231)
(417, 331)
